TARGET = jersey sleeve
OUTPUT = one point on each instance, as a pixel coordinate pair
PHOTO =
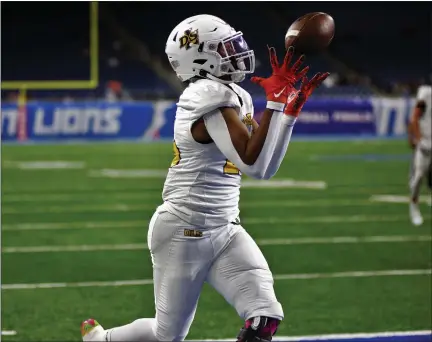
(424, 93)
(205, 96)
(272, 153)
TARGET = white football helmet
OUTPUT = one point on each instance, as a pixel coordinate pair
(206, 46)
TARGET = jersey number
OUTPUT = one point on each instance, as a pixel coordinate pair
(228, 169)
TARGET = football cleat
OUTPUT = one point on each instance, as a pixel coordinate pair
(415, 214)
(92, 331)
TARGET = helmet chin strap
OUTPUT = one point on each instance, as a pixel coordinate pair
(234, 78)
(238, 77)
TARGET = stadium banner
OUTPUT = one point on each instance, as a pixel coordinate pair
(88, 121)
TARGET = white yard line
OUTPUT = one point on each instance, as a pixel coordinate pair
(73, 197)
(8, 332)
(83, 193)
(299, 276)
(335, 337)
(11, 200)
(245, 222)
(249, 183)
(399, 199)
(331, 337)
(128, 173)
(124, 207)
(73, 225)
(344, 239)
(284, 183)
(70, 197)
(45, 165)
(328, 219)
(262, 242)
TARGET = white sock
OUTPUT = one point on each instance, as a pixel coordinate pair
(139, 330)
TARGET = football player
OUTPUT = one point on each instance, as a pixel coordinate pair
(420, 138)
(195, 236)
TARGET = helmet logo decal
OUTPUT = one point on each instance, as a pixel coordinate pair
(189, 38)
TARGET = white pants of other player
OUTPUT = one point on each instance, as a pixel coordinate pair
(421, 166)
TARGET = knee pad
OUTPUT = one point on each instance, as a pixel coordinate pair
(258, 329)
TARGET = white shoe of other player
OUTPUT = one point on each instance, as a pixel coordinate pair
(92, 331)
(415, 214)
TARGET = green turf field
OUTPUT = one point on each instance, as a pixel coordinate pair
(314, 239)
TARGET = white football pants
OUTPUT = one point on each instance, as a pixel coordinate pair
(184, 257)
(421, 166)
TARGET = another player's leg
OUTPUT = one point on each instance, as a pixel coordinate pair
(415, 181)
(241, 274)
(429, 182)
(180, 265)
(429, 176)
(419, 168)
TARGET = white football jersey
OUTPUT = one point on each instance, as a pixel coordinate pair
(202, 186)
(424, 94)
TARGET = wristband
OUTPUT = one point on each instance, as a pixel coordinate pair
(277, 106)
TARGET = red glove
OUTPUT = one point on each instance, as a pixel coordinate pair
(297, 99)
(281, 83)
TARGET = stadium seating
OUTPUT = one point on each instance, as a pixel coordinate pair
(35, 58)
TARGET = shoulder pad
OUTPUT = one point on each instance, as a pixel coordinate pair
(204, 96)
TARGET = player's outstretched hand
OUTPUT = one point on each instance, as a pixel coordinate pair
(280, 84)
(297, 99)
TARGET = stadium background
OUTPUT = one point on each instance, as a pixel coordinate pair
(333, 224)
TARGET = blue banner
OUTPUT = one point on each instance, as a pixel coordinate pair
(333, 117)
(47, 121)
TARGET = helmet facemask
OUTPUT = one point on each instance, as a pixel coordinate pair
(234, 57)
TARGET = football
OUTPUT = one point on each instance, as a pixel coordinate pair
(310, 33)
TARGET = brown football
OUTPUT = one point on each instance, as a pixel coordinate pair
(310, 33)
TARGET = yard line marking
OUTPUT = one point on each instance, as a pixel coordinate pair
(123, 207)
(45, 165)
(353, 274)
(39, 194)
(398, 199)
(344, 239)
(71, 197)
(75, 248)
(8, 332)
(262, 242)
(128, 173)
(247, 221)
(329, 219)
(152, 173)
(73, 225)
(293, 276)
(78, 197)
(336, 337)
(362, 157)
(284, 183)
